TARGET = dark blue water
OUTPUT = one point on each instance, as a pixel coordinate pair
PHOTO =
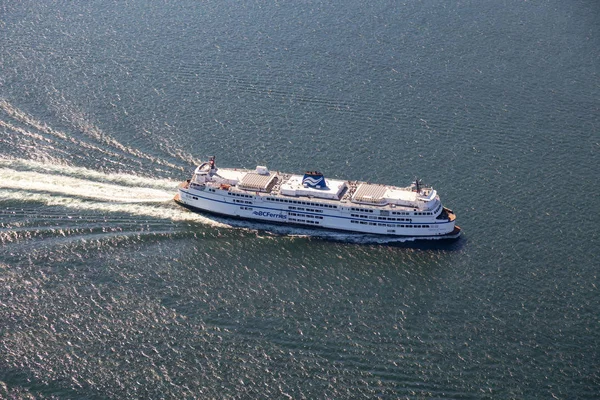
(109, 290)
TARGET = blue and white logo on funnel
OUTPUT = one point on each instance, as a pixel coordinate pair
(314, 180)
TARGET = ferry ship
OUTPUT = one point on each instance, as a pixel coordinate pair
(313, 201)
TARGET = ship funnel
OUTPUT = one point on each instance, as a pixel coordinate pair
(314, 180)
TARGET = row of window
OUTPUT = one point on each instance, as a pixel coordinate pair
(306, 203)
(306, 216)
(329, 206)
(361, 209)
(394, 219)
(373, 223)
(407, 213)
(303, 221)
(366, 210)
(389, 225)
(242, 201)
(381, 218)
(363, 222)
(239, 195)
(303, 209)
(246, 208)
(313, 210)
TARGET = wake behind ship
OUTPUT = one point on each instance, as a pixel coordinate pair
(312, 200)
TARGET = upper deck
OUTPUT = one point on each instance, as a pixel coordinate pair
(261, 182)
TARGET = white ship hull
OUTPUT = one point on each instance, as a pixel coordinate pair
(426, 219)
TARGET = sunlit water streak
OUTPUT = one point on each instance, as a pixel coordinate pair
(79, 122)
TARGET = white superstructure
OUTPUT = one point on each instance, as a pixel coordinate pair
(311, 200)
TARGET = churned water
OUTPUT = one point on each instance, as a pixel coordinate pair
(110, 290)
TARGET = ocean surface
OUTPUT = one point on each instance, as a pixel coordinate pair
(109, 290)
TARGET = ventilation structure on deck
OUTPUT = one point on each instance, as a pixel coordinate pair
(370, 194)
(258, 182)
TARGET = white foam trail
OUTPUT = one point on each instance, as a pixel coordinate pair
(83, 189)
(163, 212)
(18, 165)
(80, 188)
